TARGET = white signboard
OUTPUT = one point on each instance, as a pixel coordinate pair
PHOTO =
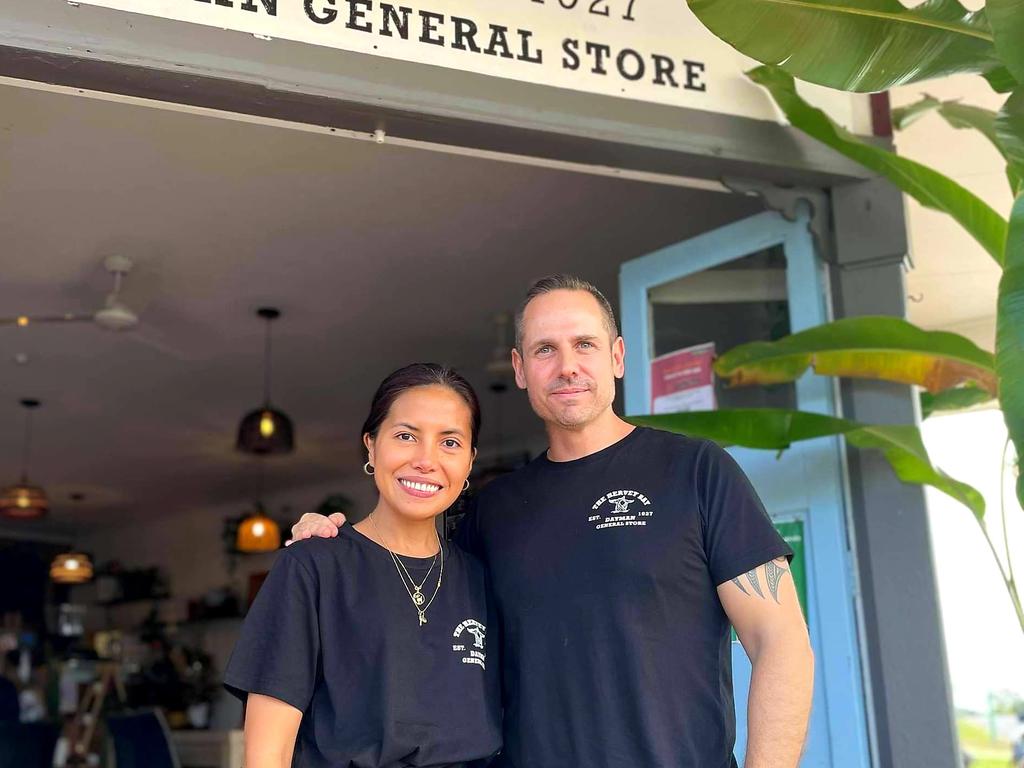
(651, 50)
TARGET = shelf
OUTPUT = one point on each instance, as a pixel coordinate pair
(205, 621)
(129, 600)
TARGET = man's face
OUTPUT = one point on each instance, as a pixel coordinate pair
(569, 364)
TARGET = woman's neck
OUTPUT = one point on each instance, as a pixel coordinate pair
(412, 538)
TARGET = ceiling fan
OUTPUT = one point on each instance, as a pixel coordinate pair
(112, 316)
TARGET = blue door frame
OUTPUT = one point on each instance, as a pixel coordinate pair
(806, 483)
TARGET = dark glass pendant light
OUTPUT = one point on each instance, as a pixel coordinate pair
(266, 430)
(24, 501)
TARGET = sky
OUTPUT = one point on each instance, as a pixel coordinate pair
(984, 642)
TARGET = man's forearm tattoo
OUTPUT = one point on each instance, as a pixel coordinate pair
(773, 572)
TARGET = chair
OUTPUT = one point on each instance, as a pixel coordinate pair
(27, 745)
(141, 740)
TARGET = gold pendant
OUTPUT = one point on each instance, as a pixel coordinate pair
(418, 598)
(423, 618)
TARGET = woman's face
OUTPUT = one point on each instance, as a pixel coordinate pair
(423, 452)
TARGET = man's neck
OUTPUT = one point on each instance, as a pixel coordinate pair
(571, 444)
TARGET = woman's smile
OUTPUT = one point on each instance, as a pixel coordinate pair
(423, 489)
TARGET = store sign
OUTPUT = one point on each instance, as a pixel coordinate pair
(684, 380)
(651, 50)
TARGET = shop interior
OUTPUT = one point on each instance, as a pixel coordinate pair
(163, 232)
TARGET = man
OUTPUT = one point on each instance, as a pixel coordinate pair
(618, 560)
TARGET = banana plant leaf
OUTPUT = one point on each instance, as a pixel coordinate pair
(777, 429)
(1001, 80)
(1009, 131)
(1006, 18)
(925, 185)
(855, 45)
(962, 116)
(887, 348)
(954, 399)
(1010, 336)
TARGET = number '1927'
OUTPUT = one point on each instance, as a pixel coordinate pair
(595, 7)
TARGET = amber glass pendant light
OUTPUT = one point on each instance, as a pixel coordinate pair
(24, 501)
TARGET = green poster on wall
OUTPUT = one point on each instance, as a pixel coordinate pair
(792, 532)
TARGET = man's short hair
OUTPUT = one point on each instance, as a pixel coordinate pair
(565, 283)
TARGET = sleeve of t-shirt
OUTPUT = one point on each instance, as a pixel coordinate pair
(738, 534)
(278, 649)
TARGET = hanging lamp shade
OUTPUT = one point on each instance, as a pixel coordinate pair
(71, 568)
(266, 430)
(23, 500)
(258, 533)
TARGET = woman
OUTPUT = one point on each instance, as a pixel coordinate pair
(370, 649)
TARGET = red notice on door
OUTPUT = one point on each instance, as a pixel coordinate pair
(683, 380)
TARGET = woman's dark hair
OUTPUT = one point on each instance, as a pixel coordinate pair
(419, 375)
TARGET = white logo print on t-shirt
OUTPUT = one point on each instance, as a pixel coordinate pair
(476, 639)
(613, 510)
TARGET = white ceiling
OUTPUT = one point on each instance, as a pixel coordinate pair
(377, 255)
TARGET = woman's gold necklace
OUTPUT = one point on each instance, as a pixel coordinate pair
(417, 589)
(416, 592)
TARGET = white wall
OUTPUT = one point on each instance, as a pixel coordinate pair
(953, 283)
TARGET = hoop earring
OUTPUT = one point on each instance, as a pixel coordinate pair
(368, 468)
(465, 485)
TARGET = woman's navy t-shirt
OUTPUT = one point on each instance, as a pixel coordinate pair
(334, 633)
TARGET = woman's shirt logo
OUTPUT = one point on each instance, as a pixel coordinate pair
(476, 639)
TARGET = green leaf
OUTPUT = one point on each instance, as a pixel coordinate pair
(855, 45)
(774, 429)
(905, 451)
(1010, 335)
(962, 116)
(777, 429)
(1009, 130)
(929, 187)
(886, 348)
(1007, 23)
(1001, 80)
(953, 399)
(903, 117)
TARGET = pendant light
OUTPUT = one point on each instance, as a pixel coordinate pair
(258, 533)
(23, 500)
(71, 568)
(266, 430)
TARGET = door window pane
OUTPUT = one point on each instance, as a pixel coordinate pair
(733, 303)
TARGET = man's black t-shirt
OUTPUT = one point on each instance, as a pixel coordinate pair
(334, 633)
(615, 647)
